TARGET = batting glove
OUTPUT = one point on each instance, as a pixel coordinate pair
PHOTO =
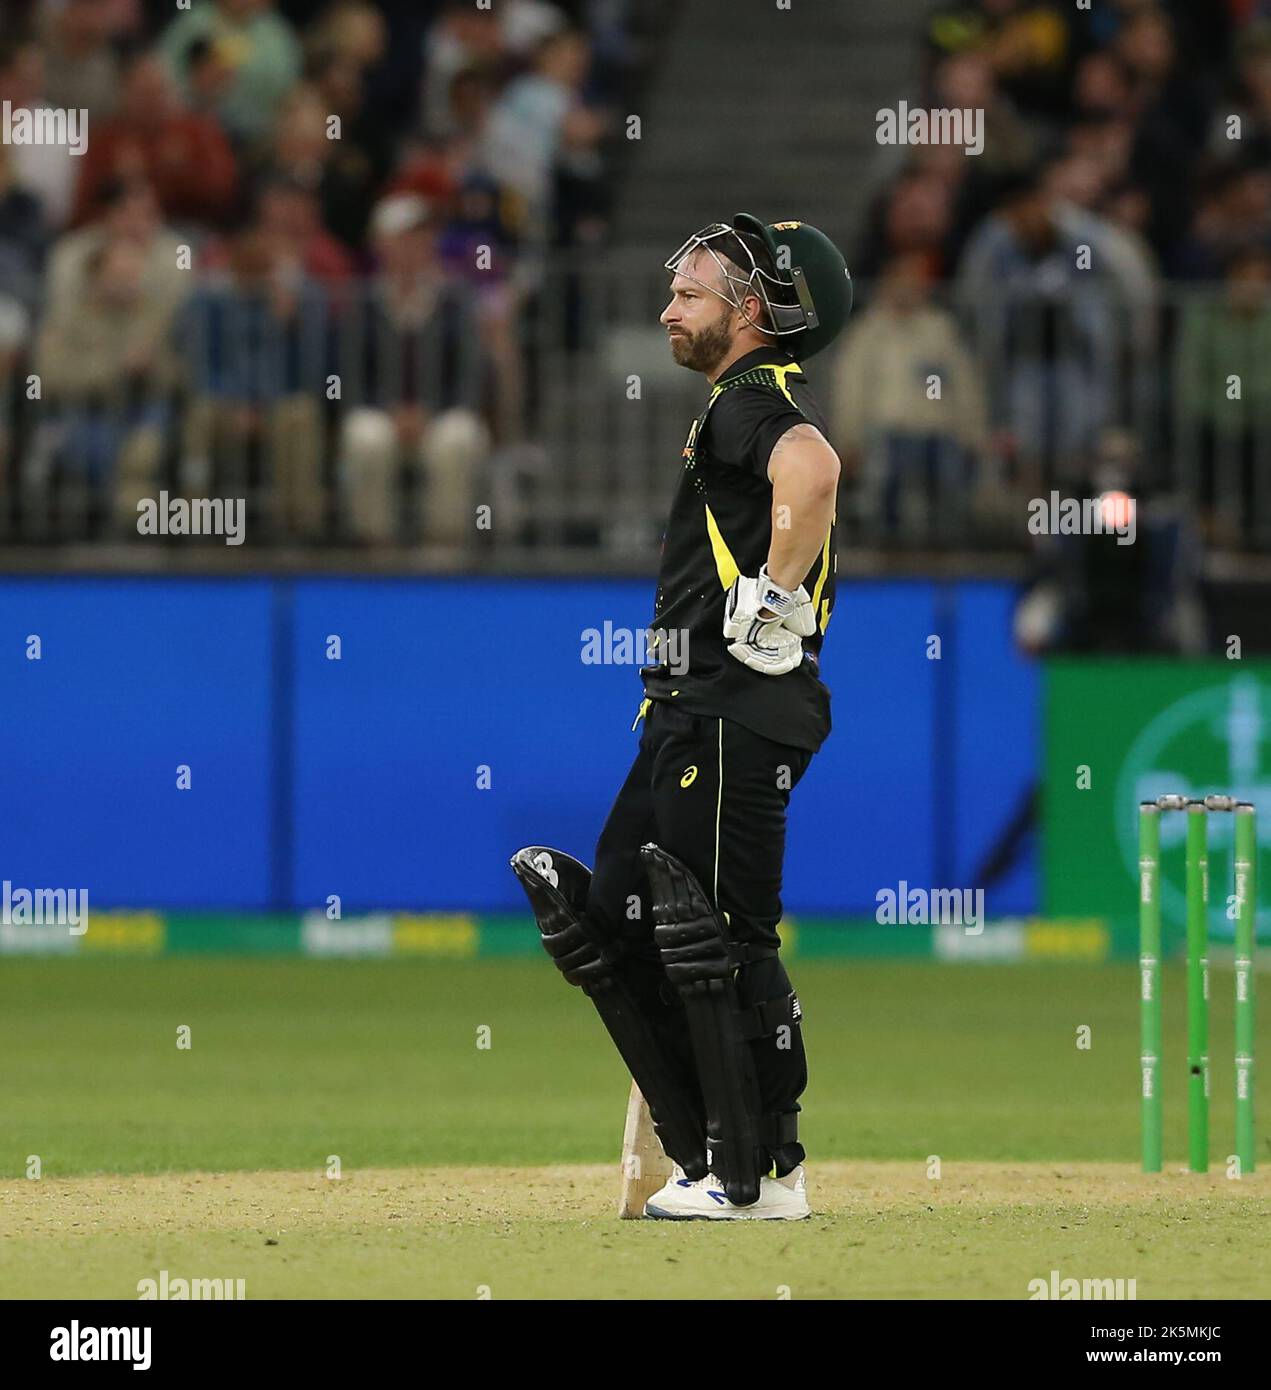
(764, 624)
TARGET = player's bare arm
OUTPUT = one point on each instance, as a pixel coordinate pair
(804, 472)
(767, 618)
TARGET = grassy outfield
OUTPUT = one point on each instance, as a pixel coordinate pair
(379, 1064)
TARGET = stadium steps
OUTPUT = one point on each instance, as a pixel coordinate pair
(802, 146)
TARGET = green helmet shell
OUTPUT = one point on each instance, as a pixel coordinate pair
(815, 278)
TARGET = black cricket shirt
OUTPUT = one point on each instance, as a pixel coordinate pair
(721, 526)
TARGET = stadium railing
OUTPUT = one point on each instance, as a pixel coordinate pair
(429, 445)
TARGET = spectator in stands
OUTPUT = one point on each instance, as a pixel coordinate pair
(481, 236)
(496, 40)
(297, 145)
(580, 204)
(965, 82)
(1252, 103)
(435, 167)
(104, 361)
(539, 117)
(612, 51)
(255, 43)
(346, 46)
(353, 29)
(47, 171)
(1044, 318)
(464, 39)
(22, 246)
(206, 79)
(1220, 342)
(22, 241)
(908, 406)
(1028, 42)
(15, 330)
(1251, 204)
(1129, 208)
(289, 217)
(127, 21)
(260, 339)
(1102, 87)
(1077, 181)
(129, 212)
(1233, 212)
(915, 214)
(413, 378)
(360, 159)
(1164, 90)
(183, 155)
(301, 155)
(217, 118)
(1108, 142)
(479, 244)
(524, 25)
(1173, 115)
(81, 67)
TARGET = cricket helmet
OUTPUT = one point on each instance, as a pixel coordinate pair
(797, 272)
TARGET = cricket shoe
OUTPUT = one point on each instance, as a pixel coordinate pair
(780, 1199)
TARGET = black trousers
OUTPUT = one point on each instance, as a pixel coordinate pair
(715, 795)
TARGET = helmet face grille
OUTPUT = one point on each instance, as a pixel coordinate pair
(780, 298)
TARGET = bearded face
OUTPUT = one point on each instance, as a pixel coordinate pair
(700, 322)
(702, 349)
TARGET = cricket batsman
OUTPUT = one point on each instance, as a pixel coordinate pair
(674, 935)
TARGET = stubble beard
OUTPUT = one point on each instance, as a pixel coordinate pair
(704, 350)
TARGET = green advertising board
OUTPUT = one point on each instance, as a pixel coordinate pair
(1119, 731)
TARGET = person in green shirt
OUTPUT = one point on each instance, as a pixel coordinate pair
(256, 45)
(1222, 392)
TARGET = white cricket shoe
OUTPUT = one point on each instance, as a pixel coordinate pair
(780, 1199)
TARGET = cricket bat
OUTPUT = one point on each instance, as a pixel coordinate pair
(645, 1167)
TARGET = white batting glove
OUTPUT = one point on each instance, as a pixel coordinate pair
(765, 623)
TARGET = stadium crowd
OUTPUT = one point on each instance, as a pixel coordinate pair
(1139, 130)
(285, 208)
(298, 256)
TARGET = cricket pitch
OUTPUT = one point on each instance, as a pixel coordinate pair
(879, 1230)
